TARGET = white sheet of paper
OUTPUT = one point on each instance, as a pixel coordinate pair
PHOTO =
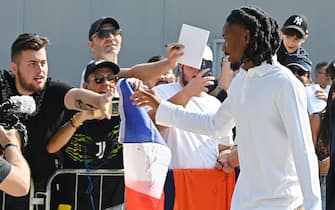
(194, 40)
(314, 104)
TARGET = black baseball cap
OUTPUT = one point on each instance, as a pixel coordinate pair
(301, 61)
(96, 25)
(100, 64)
(296, 22)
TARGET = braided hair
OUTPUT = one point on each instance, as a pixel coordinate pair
(264, 33)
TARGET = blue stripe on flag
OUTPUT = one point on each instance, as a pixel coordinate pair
(136, 123)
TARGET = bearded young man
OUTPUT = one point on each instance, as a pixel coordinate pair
(29, 76)
(268, 104)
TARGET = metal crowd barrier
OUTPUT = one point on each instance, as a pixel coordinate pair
(81, 172)
(35, 199)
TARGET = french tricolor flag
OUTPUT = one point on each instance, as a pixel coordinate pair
(145, 155)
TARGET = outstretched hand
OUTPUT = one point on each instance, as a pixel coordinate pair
(199, 83)
(146, 97)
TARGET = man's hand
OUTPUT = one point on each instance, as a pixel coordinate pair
(146, 97)
(137, 83)
(321, 94)
(227, 74)
(199, 84)
(11, 136)
(105, 102)
(228, 160)
(174, 51)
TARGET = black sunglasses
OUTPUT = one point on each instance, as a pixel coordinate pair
(297, 71)
(100, 78)
(104, 33)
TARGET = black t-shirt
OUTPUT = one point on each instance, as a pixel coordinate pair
(41, 126)
(94, 146)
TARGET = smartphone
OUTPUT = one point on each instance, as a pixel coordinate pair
(207, 64)
(113, 109)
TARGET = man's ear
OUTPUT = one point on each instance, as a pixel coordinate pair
(85, 84)
(90, 44)
(13, 67)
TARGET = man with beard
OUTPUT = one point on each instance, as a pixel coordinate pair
(191, 150)
(278, 165)
(29, 76)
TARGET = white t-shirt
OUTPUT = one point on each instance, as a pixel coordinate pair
(191, 150)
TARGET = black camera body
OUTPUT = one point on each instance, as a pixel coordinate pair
(9, 121)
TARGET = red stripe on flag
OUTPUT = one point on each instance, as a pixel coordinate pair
(139, 201)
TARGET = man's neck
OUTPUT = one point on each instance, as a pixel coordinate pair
(108, 57)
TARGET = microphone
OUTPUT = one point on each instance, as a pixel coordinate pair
(12, 110)
(18, 104)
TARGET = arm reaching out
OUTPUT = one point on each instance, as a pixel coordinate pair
(150, 71)
(17, 180)
(82, 99)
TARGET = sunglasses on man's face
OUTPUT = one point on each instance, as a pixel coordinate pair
(100, 78)
(104, 33)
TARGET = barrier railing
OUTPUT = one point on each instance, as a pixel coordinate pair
(80, 172)
(216, 185)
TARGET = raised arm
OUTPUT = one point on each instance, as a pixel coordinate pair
(194, 88)
(150, 71)
(14, 169)
(82, 99)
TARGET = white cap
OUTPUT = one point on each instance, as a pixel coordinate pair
(208, 54)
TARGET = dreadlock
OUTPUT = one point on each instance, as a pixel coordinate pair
(264, 33)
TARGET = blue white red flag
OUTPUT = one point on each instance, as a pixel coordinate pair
(145, 154)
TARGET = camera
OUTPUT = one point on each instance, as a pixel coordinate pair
(15, 109)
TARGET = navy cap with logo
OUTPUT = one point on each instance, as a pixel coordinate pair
(96, 25)
(301, 61)
(296, 22)
(100, 64)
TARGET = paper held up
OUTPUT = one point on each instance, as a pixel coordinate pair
(194, 40)
(314, 105)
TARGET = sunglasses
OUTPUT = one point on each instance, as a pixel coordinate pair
(100, 78)
(297, 71)
(104, 33)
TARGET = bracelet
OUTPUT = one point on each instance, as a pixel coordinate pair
(11, 145)
(75, 122)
